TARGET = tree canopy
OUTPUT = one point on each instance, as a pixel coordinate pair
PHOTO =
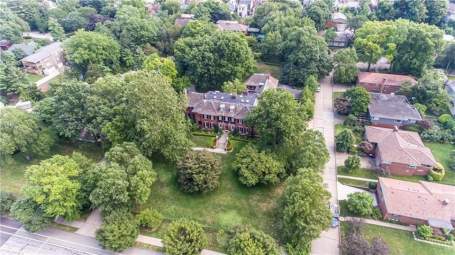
(345, 62)
(210, 60)
(21, 131)
(304, 210)
(276, 117)
(255, 167)
(85, 49)
(211, 10)
(184, 237)
(198, 172)
(118, 231)
(411, 47)
(249, 241)
(54, 185)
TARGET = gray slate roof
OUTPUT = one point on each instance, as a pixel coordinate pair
(221, 104)
(43, 53)
(390, 106)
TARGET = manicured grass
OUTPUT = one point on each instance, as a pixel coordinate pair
(274, 69)
(442, 154)
(230, 205)
(362, 172)
(12, 170)
(354, 183)
(203, 141)
(33, 77)
(400, 242)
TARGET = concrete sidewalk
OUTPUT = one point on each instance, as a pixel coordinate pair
(379, 223)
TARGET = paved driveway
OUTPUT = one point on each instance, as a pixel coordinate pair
(328, 242)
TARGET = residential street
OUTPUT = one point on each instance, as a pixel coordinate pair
(14, 240)
(324, 121)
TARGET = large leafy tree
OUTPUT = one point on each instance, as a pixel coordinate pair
(306, 54)
(447, 59)
(35, 13)
(346, 69)
(359, 99)
(411, 47)
(412, 10)
(249, 241)
(211, 60)
(85, 49)
(12, 78)
(211, 10)
(198, 172)
(130, 172)
(276, 117)
(306, 149)
(134, 30)
(319, 12)
(54, 185)
(56, 29)
(12, 25)
(430, 92)
(66, 108)
(254, 167)
(345, 141)
(436, 11)
(118, 231)
(360, 203)
(304, 210)
(184, 237)
(142, 107)
(164, 66)
(21, 131)
(30, 214)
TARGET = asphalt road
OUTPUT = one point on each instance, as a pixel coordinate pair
(14, 240)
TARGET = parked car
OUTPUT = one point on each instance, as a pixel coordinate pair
(318, 89)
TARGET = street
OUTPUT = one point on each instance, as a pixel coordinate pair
(14, 241)
(324, 121)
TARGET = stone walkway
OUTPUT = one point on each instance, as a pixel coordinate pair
(91, 225)
(220, 151)
(379, 223)
(221, 143)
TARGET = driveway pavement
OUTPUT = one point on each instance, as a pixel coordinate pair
(328, 242)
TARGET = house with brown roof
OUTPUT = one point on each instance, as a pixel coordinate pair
(389, 110)
(228, 111)
(222, 110)
(383, 82)
(416, 203)
(45, 61)
(231, 26)
(399, 152)
(259, 82)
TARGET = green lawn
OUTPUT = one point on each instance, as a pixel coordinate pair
(12, 170)
(362, 172)
(354, 183)
(203, 141)
(230, 205)
(400, 242)
(33, 77)
(274, 69)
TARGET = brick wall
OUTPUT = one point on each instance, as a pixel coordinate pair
(379, 88)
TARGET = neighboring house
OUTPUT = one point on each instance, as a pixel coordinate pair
(297, 93)
(259, 82)
(450, 87)
(338, 21)
(45, 61)
(228, 111)
(399, 152)
(383, 64)
(231, 26)
(341, 39)
(389, 110)
(184, 19)
(383, 82)
(26, 48)
(416, 203)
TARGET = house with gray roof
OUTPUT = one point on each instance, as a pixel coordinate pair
(45, 61)
(227, 111)
(389, 110)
